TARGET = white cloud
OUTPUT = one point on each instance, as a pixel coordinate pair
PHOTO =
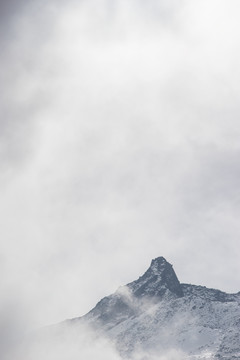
(120, 143)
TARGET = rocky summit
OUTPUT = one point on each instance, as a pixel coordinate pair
(157, 280)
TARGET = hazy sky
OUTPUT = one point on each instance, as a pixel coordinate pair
(120, 142)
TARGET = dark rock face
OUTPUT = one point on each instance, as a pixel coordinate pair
(157, 282)
(159, 278)
(111, 310)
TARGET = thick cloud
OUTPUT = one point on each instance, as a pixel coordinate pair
(119, 143)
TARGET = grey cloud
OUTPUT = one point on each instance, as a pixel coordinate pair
(122, 135)
(9, 7)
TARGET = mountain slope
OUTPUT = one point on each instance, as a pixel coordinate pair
(157, 315)
(152, 318)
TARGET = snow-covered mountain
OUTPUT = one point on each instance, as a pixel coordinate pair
(157, 315)
(152, 318)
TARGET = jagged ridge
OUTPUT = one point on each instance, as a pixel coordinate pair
(159, 278)
(157, 313)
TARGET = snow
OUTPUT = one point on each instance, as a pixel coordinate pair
(202, 324)
(157, 318)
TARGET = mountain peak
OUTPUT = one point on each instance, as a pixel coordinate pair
(158, 264)
(157, 280)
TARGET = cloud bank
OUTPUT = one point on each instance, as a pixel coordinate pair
(119, 143)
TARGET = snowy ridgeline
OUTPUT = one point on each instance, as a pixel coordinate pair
(152, 318)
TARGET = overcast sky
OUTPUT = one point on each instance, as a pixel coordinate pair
(120, 142)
